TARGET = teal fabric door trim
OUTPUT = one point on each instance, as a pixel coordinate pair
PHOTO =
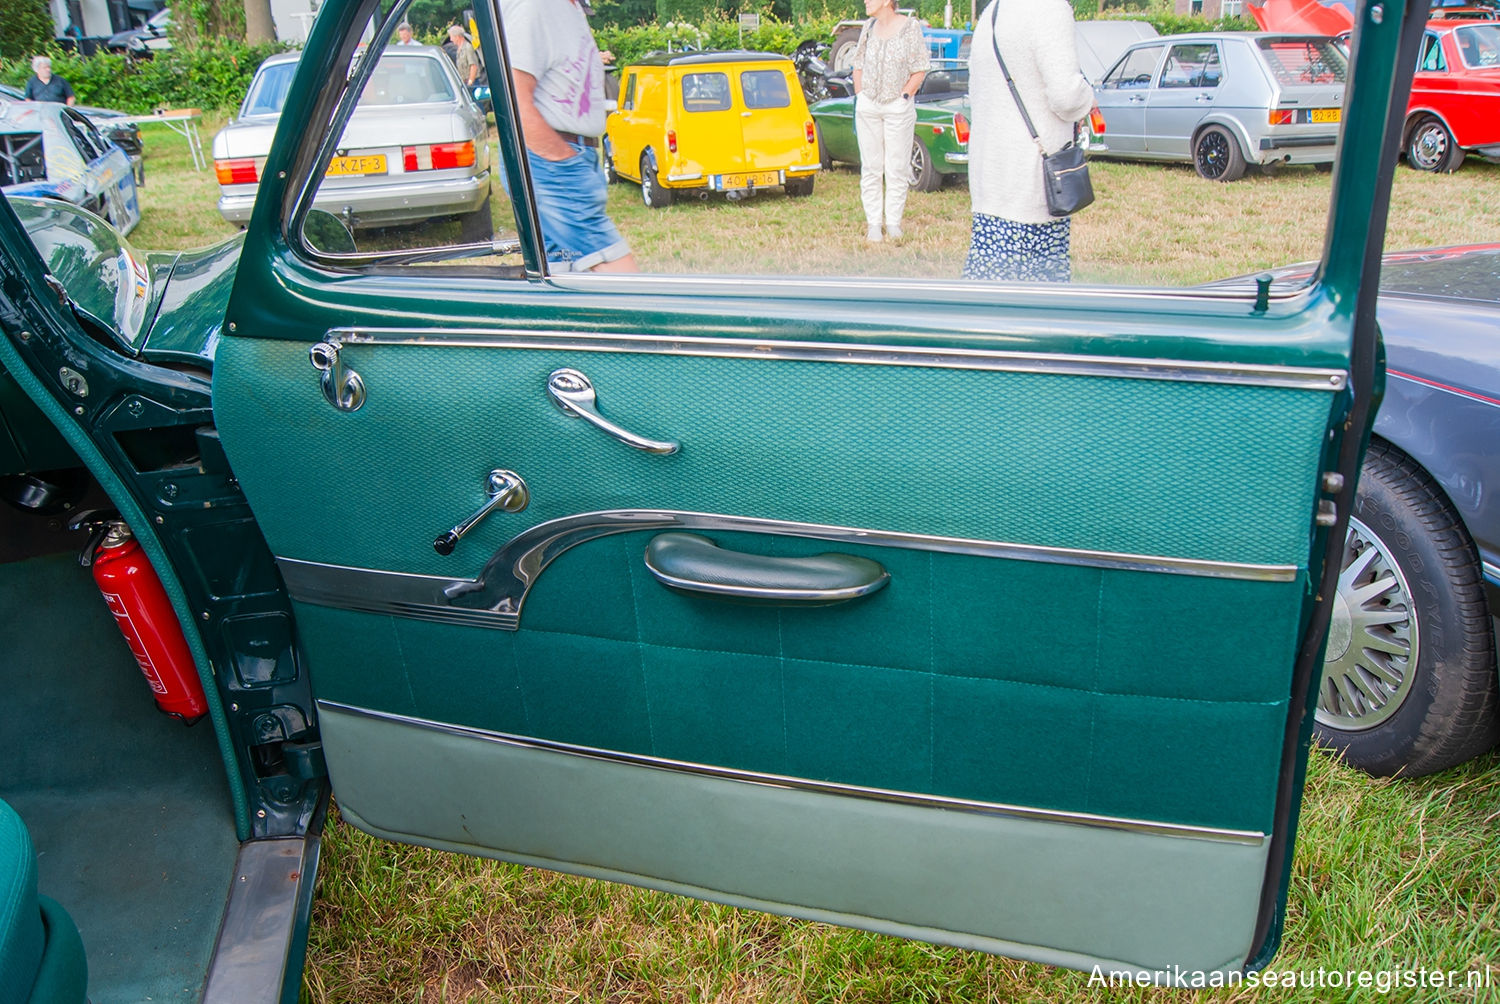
(1051, 892)
(1201, 471)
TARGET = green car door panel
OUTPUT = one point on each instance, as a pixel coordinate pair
(1052, 731)
(986, 880)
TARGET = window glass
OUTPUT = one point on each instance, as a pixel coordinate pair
(415, 175)
(1479, 45)
(268, 90)
(705, 92)
(1135, 69)
(1192, 66)
(722, 165)
(765, 89)
(1304, 61)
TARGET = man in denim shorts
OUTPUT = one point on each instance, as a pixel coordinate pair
(559, 82)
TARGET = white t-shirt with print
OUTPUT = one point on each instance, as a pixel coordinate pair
(551, 40)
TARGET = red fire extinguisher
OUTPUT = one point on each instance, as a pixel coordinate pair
(144, 615)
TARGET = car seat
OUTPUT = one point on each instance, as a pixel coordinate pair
(41, 954)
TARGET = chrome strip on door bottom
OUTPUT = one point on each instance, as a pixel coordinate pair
(495, 598)
(1062, 364)
(1247, 837)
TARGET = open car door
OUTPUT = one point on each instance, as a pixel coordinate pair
(983, 614)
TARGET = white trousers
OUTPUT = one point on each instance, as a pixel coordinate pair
(884, 131)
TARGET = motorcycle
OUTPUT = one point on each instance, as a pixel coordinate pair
(816, 76)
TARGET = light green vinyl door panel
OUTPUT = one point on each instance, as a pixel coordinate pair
(1080, 666)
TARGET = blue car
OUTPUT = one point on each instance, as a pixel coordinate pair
(1409, 679)
(52, 151)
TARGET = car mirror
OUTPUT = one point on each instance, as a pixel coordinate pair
(325, 232)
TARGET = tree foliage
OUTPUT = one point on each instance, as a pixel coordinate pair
(26, 29)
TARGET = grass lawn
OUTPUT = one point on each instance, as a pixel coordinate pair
(1388, 874)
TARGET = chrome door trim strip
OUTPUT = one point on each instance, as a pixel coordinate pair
(1064, 364)
(1492, 572)
(494, 598)
(1249, 838)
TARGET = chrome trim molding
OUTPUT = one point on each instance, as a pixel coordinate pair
(1247, 837)
(258, 936)
(1492, 572)
(494, 599)
(1290, 377)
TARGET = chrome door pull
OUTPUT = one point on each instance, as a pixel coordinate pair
(506, 490)
(573, 392)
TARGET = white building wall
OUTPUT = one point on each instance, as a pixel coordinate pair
(95, 17)
(293, 18)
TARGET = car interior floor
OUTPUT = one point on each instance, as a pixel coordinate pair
(128, 810)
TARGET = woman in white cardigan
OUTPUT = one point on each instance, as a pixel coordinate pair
(1013, 236)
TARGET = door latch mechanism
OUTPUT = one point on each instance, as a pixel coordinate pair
(342, 386)
(506, 490)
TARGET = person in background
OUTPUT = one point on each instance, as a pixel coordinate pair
(559, 89)
(1013, 235)
(44, 86)
(404, 35)
(890, 63)
(464, 56)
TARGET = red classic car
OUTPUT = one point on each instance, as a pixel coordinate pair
(1455, 95)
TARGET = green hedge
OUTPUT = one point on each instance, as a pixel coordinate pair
(213, 76)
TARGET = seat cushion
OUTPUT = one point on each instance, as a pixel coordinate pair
(63, 975)
(22, 934)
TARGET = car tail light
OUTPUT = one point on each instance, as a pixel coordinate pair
(1096, 121)
(961, 127)
(672, 140)
(1282, 116)
(239, 171)
(436, 156)
(810, 132)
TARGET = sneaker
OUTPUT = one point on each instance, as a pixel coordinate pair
(893, 232)
(873, 235)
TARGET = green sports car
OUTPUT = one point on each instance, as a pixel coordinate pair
(941, 147)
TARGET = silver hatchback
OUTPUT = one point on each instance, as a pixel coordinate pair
(414, 148)
(1221, 101)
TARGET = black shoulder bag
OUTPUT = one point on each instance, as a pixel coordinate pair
(1065, 174)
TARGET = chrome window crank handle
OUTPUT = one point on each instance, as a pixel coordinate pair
(574, 393)
(506, 490)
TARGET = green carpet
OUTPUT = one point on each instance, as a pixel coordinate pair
(128, 809)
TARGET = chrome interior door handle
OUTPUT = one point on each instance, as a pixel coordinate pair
(574, 393)
(506, 490)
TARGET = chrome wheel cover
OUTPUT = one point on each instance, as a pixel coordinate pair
(1373, 639)
(1429, 146)
(918, 156)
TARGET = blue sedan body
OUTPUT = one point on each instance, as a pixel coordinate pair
(1439, 312)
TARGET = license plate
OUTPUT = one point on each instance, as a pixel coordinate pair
(374, 164)
(1326, 115)
(755, 179)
